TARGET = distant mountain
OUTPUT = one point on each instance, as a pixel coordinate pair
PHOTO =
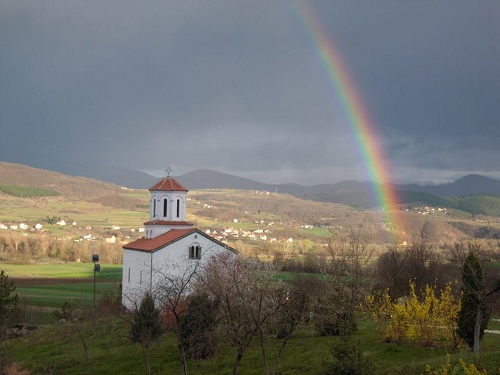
(208, 179)
(98, 171)
(352, 193)
(468, 185)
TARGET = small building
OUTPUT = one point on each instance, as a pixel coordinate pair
(171, 245)
(111, 239)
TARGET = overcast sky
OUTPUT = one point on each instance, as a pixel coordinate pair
(236, 86)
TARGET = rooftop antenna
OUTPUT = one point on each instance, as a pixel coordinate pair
(168, 170)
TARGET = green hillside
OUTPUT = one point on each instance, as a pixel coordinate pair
(273, 218)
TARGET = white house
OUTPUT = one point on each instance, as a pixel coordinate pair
(111, 239)
(171, 245)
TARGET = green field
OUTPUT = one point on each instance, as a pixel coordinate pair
(62, 270)
(54, 296)
(50, 285)
(60, 348)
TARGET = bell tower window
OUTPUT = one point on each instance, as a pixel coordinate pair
(178, 207)
(165, 208)
(154, 207)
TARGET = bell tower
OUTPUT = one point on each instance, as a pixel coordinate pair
(167, 207)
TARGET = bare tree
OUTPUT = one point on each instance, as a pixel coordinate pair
(174, 284)
(295, 309)
(250, 300)
(390, 272)
(350, 256)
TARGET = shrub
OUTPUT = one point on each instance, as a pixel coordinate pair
(197, 327)
(146, 326)
(334, 314)
(347, 359)
(66, 312)
(8, 302)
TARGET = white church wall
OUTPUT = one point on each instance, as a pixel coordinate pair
(136, 278)
(171, 262)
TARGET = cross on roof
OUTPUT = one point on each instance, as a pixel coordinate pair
(168, 170)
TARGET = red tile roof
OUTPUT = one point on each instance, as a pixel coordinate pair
(166, 222)
(152, 244)
(168, 184)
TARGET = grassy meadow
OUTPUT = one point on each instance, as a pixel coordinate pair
(61, 349)
(49, 286)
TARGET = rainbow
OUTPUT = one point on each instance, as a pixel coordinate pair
(352, 105)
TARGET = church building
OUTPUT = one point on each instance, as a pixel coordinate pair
(171, 245)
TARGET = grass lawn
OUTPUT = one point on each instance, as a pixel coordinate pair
(61, 349)
(54, 295)
(62, 270)
(49, 286)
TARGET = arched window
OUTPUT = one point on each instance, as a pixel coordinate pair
(165, 207)
(195, 251)
(154, 207)
(178, 207)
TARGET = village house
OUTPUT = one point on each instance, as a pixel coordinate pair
(171, 245)
(111, 239)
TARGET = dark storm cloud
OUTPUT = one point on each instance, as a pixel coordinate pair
(236, 86)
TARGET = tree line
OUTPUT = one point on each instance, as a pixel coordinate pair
(16, 247)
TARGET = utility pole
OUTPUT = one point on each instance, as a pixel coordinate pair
(97, 268)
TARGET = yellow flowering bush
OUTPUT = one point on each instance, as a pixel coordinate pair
(425, 320)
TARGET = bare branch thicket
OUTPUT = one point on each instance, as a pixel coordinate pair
(390, 273)
(423, 264)
(251, 302)
(350, 259)
(418, 262)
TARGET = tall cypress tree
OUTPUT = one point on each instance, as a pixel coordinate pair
(472, 300)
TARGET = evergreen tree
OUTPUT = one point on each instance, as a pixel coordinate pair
(473, 305)
(147, 325)
(8, 302)
(197, 327)
(347, 359)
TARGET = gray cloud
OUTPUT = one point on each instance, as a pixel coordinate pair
(236, 86)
